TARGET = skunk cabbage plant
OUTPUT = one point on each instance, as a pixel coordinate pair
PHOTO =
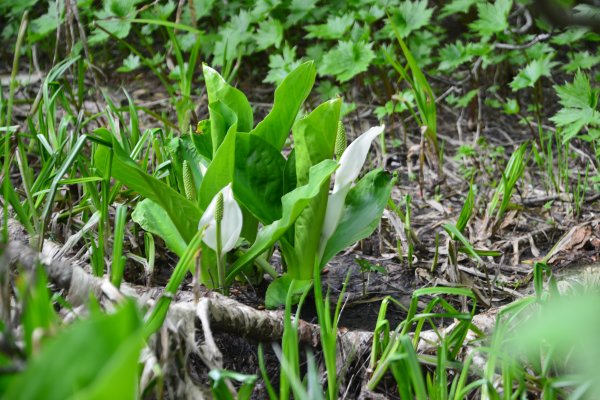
(287, 197)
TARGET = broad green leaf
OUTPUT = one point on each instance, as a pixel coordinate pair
(314, 137)
(532, 72)
(411, 16)
(47, 23)
(579, 103)
(289, 96)
(453, 55)
(234, 36)
(290, 179)
(493, 18)
(131, 63)
(269, 33)
(362, 211)
(220, 170)
(92, 358)
(202, 139)
(347, 59)
(258, 177)
(281, 65)
(292, 205)
(334, 28)
(222, 118)
(183, 213)
(219, 90)
(115, 18)
(457, 6)
(581, 60)
(314, 141)
(277, 291)
(154, 219)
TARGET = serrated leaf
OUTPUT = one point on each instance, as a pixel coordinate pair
(161, 12)
(581, 60)
(457, 6)
(269, 33)
(579, 103)
(233, 38)
(453, 55)
(115, 18)
(262, 8)
(570, 36)
(132, 62)
(371, 14)
(334, 28)
(532, 72)
(464, 101)
(493, 18)
(280, 65)
(411, 16)
(300, 9)
(46, 23)
(347, 60)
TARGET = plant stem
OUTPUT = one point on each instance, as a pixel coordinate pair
(221, 261)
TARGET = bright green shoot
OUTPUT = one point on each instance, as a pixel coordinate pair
(394, 351)
(329, 330)
(422, 92)
(513, 171)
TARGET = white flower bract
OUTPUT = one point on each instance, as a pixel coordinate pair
(351, 163)
(231, 225)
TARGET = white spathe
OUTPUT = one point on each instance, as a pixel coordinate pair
(351, 163)
(231, 225)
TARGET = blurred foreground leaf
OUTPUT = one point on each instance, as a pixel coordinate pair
(96, 358)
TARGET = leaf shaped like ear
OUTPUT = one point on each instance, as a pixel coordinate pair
(362, 211)
(218, 89)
